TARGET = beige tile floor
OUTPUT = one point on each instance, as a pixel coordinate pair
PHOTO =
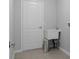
(39, 54)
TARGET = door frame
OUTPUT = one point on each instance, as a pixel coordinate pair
(21, 22)
(11, 28)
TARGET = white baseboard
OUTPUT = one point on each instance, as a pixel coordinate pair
(21, 50)
(18, 51)
(66, 52)
(13, 56)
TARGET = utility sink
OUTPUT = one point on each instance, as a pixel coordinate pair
(52, 34)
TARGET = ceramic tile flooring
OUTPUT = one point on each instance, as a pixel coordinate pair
(39, 54)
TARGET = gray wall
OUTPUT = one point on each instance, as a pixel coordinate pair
(63, 11)
(50, 14)
(17, 18)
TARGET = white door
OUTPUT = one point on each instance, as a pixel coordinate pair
(32, 34)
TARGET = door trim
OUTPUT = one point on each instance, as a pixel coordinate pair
(21, 21)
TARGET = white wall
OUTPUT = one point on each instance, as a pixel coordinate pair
(50, 14)
(17, 18)
(63, 11)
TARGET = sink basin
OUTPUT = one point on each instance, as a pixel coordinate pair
(52, 34)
